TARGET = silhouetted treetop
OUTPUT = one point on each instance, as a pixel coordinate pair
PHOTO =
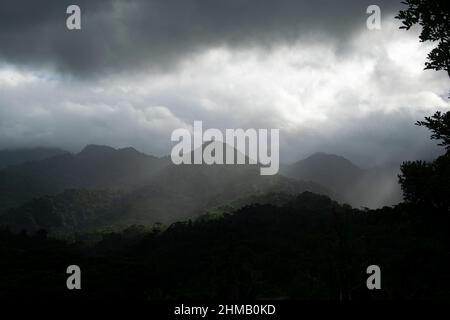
(439, 124)
(434, 18)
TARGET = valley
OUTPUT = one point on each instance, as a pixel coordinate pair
(102, 188)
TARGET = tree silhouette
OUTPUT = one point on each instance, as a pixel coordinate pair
(439, 124)
(428, 183)
(434, 18)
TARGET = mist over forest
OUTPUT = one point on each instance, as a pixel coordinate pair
(337, 188)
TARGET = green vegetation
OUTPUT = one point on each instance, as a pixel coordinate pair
(309, 248)
(428, 183)
(260, 238)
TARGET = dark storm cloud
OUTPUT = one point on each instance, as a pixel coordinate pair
(311, 69)
(124, 35)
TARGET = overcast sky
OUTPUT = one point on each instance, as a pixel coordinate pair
(139, 69)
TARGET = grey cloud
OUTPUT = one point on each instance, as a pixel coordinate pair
(312, 96)
(372, 140)
(119, 36)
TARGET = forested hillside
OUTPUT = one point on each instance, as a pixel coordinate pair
(308, 248)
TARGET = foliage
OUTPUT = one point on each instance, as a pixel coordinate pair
(427, 183)
(439, 124)
(434, 18)
(308, 248)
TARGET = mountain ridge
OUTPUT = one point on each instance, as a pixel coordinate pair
(154, 189)
(369, 187)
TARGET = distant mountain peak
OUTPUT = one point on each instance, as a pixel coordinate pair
(359, 186)
(96, 150)
(129, 149)
(327, 155)
(328, 158)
